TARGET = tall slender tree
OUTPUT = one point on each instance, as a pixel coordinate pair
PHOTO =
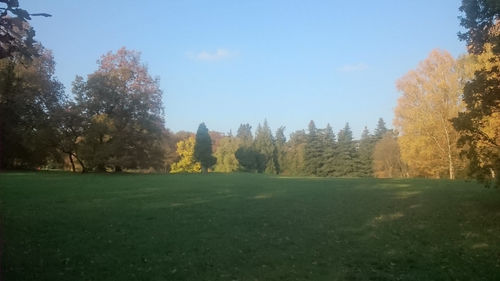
(281, 148)
(346, 153)
(264, 144)
(329, 155)
(313, 150)
(380, 130)
(365, 153)
(203, 148)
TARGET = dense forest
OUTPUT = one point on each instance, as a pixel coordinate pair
(446, 124)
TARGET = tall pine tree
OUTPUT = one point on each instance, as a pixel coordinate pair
(365, 154)
(264, 144)
(329, 155)
(313, 151)
(381, 129)
(346, 153)
(281, 148)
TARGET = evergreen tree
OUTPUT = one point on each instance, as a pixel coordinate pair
(244, 134)
(381, 129)
(264, 144)
(329, 155)
(365, 152)
(281, 148)
(203, 148)
(346, 153)
(295, 154)
(313, 151)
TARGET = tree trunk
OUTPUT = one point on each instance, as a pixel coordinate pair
(204, 170)
(118, 169)
(81, 163)
(451, 168)
(71, 161)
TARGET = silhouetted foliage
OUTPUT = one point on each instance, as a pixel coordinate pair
(16, 35)
(480, 122)
(250, 160)
(30, 97)
(203, 148)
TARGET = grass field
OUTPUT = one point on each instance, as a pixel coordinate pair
(58, 226)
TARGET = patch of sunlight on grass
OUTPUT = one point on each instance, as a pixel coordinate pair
(387, 217)
(16, 174)
(304, 178)
(263, 196)
(414, 206)
(176, 204)
(470, 235)
(480, 246)
(406, 194)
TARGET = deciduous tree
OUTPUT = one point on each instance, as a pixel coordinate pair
(30, 96)
(225, 154)
(187, 162)
(122, 104)
(387, 162)
(430, 99)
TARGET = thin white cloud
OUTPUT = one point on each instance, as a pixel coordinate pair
(219, 54)
(353, 67)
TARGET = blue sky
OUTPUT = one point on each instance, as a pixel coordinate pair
(231, 62)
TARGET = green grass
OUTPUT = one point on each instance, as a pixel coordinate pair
(58, 226)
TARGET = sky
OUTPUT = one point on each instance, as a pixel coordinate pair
(231, 62)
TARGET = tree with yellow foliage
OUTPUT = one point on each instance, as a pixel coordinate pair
(387, 161)
(430, 99)
(187, 163)
(480, 123)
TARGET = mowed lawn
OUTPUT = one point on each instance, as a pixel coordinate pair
(62, 226)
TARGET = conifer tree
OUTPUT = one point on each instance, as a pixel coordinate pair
(313, 151)
(203, 148)
(381, 129)
(264, 144)
(244, 134)
(281, 148)
(346, 153)
(365, 152)
(295, 154)
(329, 154)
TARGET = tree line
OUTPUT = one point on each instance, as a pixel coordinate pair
(311, 152)
(446, 125)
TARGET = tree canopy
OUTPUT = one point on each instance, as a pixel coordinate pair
(16, 34)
